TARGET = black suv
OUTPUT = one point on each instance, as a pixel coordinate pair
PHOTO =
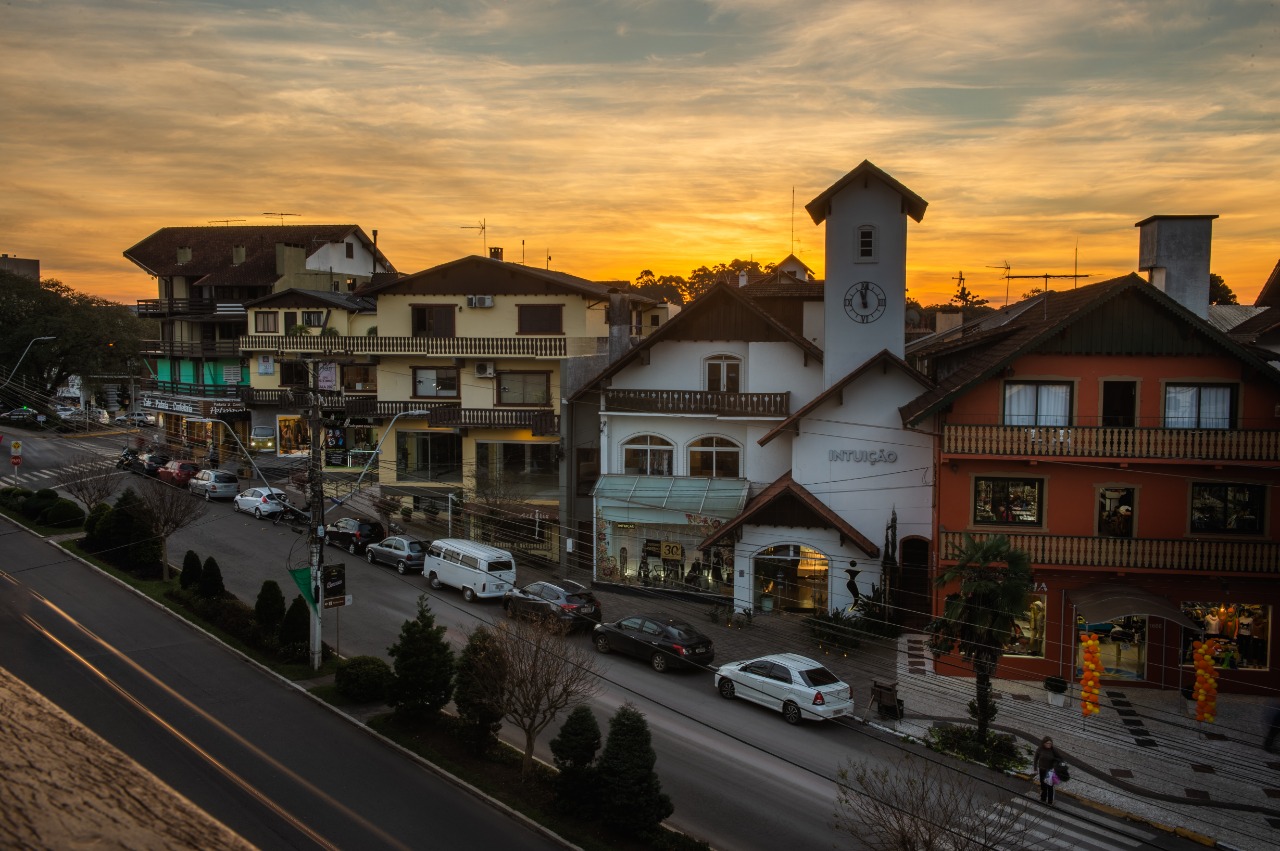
(562, 602)
(353, 534)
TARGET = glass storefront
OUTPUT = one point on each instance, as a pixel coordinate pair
(1242, 630)
(665, 557)
(1123, 646)
(1028, 630)
(790, 577)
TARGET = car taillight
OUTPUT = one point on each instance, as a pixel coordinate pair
(818, 699)
(679, 649)
(568, 607)
(264, 500)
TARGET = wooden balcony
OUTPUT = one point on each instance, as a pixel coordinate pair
(369, 406)
(190, 348)
(290, 398)
(463, 347)
(1171, 444)
(152, 308)
(1179, 554)
(540, 422)
(183, 388)
(709, 403)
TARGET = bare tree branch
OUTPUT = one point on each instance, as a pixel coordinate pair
(169, 508)
(90, 478)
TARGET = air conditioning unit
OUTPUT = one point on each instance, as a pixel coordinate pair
(479, 301)
(484, 369)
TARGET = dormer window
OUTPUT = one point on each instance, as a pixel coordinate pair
(864, 249)
(724, 374)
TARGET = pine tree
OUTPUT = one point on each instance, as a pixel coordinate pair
(269, 608)
(296, 626)
(423, 663)
(574, 751)
(210, 584)
(478, 687)
(190, 576)
(631, 796)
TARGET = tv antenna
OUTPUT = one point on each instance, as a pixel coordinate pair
(483, 228)
(280, 216)
(1007, 269)
(224, 221)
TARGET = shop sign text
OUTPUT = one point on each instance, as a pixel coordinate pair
(863, 456)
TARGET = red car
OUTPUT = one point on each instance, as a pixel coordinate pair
(178, 472)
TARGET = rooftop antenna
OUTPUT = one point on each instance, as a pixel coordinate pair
(548, 259)
(1006, 268)
(280, 216)
(484, 240)
(793, 221)
(224, 221)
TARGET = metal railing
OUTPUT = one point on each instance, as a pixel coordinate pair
(698, 402)
(191, 348)
(1151, 553)
(482, 347)
(184, 388)
(1112, 442)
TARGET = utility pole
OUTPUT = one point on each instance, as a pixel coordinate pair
(315, 491)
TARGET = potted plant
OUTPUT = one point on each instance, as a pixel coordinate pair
(1057, 690)
(406, 512)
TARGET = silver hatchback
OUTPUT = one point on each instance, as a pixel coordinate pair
(405, 553)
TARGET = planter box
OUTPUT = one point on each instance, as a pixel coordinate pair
(1057, 698)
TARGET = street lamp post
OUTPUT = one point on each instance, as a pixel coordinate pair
(22, 357)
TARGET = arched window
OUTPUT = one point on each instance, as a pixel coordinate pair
(724, 374)
(791, 577)
(648, 455)
(715, 458)
(864, 249)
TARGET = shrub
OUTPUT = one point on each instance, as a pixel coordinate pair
(63, 514)
(210, 584)
(423, 665)
(363, 679)
(1057, 685)
(834, 629)
(631, 796)
(190, 576)
(574, 751)
(269, 607)
(92, 524)
(999, 750)
(296, 626)
(39, 502)
(478, 684)
(14, 496)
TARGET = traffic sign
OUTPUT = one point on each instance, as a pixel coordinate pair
(15, 448)
(15, 460)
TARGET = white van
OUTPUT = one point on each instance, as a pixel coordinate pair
(479, 570)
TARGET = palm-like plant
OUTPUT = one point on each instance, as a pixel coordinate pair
(978, 619)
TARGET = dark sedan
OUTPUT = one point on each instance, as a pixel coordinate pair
(664, 641)
(149, 463)
(566, 603)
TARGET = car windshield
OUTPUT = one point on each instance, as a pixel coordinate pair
(819, 677)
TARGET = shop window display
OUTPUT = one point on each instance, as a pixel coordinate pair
(1115, 512)
(790, 577)
(1242, 630)
(1028, 630)
(1016, 502)
(1122, 646)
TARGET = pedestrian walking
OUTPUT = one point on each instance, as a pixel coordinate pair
(1045, 763)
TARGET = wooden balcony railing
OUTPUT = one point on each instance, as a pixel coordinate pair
(1110, 442)
(540, 422)
(290, 398)
(191, 348)
(474, 347)
(150, 308)
(1152, 553)
(368, 406)
(698, 402)
(183, 388)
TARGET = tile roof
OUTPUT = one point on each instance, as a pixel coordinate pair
(913, 205)
(451, 277)
(1269, 295)
(342, 301)
(779, 284)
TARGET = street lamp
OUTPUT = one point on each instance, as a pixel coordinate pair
(14, 371)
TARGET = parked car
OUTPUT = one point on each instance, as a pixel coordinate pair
(64, 411)
(262, 439)
(405, 553)
(141, 419)
(178, 472)
(20, 415)
(564, 602)
(478, 570)
(665, 641)
(96, 416)
(798, 687)
(149, 463)
(260, 502)
(353, 534)
(214, 484)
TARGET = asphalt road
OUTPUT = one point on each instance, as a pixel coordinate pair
(269, 762)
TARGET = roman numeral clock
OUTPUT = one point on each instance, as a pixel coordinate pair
(864, 302)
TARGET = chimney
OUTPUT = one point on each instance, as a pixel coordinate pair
(1174, 252)
(237, 255)
(947, 320)
(184, 254)
(495, 253)
(742, 278)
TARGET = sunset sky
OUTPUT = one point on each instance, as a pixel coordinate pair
(622, 135)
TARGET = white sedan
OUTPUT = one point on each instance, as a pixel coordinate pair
(260, 502)
(798, 687)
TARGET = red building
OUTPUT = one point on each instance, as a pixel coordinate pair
(1133, 451)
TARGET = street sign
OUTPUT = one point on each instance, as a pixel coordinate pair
(15, 460)
(15, 448)
(335, 602)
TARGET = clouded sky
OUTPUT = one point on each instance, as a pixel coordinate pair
(622, 135)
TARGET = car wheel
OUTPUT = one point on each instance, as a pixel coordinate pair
(434, 581)
(602, 644)
(659, 662)
(726, 688)
(791, 712)
(257, 514)
(368, 556)
(401, 567)
(469, 594)
(235, 506)
(351, 547)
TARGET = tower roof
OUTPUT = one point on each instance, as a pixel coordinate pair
(912, 204)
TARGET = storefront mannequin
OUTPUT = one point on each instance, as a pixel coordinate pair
(1037, 628)
(1244, 637)
(1212, 623)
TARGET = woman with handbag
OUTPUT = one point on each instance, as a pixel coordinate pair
(1044, 764)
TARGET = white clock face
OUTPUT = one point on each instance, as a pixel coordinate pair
(864, 302)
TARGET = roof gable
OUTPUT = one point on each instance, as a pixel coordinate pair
(1269, 295)
(474, 275)
(912, 204)
(313, 298)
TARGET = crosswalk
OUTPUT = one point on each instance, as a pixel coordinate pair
(1023, 823)
(87, 461)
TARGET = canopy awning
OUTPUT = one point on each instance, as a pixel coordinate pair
(1102, 602)
(669, 499)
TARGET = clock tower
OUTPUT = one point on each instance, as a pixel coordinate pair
(866, 215)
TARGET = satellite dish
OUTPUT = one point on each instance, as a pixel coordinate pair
(913, 317)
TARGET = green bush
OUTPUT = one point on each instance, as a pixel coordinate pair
(190, 576)
(269, 607)
(63, 514)
(363, 679)
(38, 503)
(424, 667)
(91, 525)
(999, 751)
(1057, 685)
(574, 752)
(479, 681)
(631, 796)
(210, 584)
(13, 496)
(296, 626)
(834, 629)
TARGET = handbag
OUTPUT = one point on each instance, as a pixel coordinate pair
(1051, 778)
(1062, 772)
